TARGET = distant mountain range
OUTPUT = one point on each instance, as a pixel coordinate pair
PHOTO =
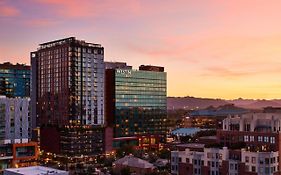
(201, 103)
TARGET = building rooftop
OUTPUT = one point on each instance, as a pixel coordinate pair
(8, 65)
(36, 170)
(132, 161)
(219, 111)
(151, 68)
(126, 138)
(185, 131)
(116, 65)
(191, 145)
(67, 40)
(209, 137)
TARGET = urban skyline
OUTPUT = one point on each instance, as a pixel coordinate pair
(139, 87)
(224, 49)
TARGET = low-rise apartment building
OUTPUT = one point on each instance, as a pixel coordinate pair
(246, 144)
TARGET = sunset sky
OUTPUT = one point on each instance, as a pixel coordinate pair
(210, 48)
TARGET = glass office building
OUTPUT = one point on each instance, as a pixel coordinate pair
(136, 102)
(14, 80)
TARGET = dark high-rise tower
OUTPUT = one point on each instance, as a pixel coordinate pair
(68, 82)
(67, 93)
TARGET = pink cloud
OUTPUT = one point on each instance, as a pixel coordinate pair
(40, 23)
(91, 8)
(209, 40)
(8, 11)
(228, 48)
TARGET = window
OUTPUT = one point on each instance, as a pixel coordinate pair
(259, 138)
(246, 138)
(267, 170)
(272, 160)
(272, 139)
(261, 170)
(252, 138)
(231, 166)
(195, 170)
(247, 127)
(254, 160)
(253, 169)
(266, 160)
(266, 139)
(247, 159)
(195, 162)
(272, 169)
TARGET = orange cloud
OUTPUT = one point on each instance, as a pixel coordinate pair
(226, 73)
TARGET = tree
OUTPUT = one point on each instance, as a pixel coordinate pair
(124, 150)
(158, 173)
(125, 171)
(164, 154)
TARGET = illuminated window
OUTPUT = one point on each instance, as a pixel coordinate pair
(272, 139)
(266, 139)
(252, 138)
(246, 138)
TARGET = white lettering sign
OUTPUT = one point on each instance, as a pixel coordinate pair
(124, 71)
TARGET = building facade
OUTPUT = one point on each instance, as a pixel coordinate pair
(68, 82)
(15, 120)
(14, 80)
(261, 162)
(223, 161)
(73, 140)
(258, 131)
(16, 149)
(136, 105)
(247, 144)
(67, 92)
